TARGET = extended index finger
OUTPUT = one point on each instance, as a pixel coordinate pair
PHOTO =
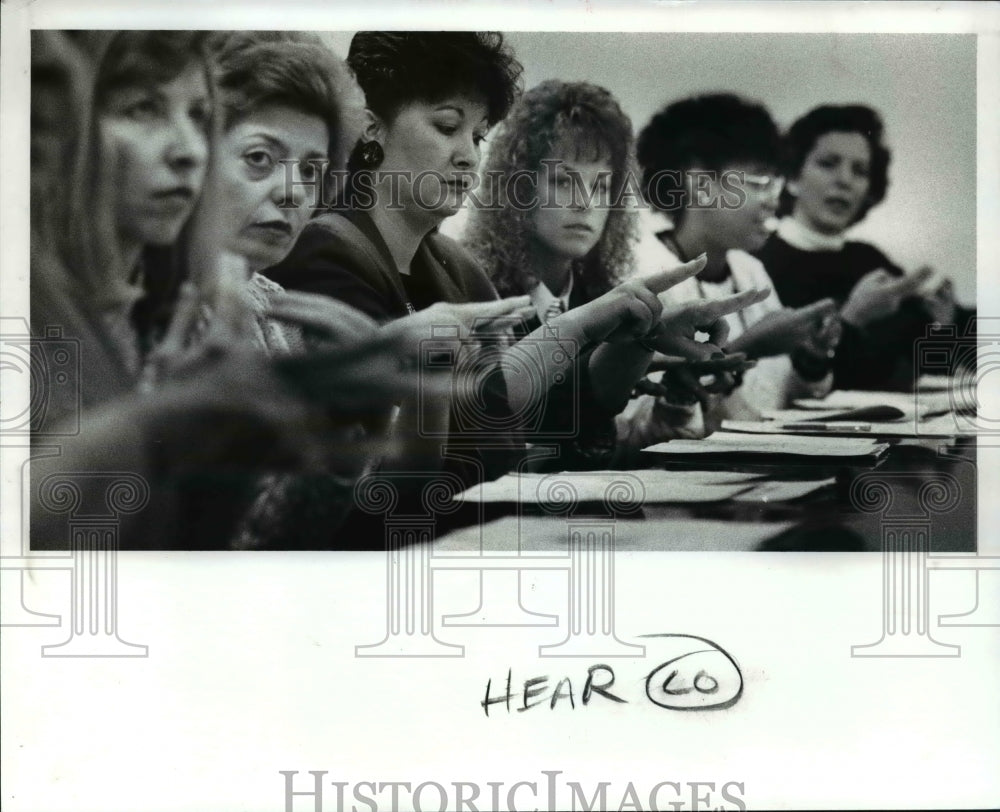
(709, 311)
(910, 283)
(498, 307)
(664, 280)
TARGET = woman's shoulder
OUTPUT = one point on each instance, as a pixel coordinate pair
(866, 257)
(336, 257)
(461, 267)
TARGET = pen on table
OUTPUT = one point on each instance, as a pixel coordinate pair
(826, 427)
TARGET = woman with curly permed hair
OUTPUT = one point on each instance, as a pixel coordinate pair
(556, 225)
(584, 125)
(431, 99)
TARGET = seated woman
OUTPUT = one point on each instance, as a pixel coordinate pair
(108, 260)
(431, 99)
(709, 167)
(567, 148)
(838, 169)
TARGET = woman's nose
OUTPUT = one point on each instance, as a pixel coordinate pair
(844, 175)
(187, 147)
(290, 188)
(467, 154)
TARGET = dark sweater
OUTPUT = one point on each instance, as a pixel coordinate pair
(880, 356)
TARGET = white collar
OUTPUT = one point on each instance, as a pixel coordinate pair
(799, 235)
(543, 298)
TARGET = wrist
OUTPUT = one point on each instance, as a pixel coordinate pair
(853, 317)
(810, 367)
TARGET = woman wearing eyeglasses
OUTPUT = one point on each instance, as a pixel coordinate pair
(710, 178)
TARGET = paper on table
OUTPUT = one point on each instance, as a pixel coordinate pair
(936, 383)
(817, 428)
(912, 405)
(726, 442)
(774, 491)
(944, 425)
(651, 486)
(513, 534)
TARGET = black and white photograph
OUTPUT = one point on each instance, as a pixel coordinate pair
(467, 406)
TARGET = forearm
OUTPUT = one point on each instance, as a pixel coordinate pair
(536, 362)
(614, 370)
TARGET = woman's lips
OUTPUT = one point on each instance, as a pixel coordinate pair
(838, 205)
(173, 200)
(274, 231)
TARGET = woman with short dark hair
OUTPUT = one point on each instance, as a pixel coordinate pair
(432, 98)
(837, 166)
(710, 178)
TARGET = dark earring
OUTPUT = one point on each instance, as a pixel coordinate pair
(372, 154)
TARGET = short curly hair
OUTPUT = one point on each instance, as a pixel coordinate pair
(395, 68)
(293, 69)
(848, 118)
(550, 115)
(710, 132)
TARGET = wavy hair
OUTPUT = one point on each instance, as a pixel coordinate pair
(396, 68)
(552, 114)
(849, 118)
(296, 69)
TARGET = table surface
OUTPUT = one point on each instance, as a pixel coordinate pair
(829, 519)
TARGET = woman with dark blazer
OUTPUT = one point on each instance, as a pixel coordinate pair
(431, 99)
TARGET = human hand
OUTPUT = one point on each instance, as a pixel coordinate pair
(629, 310)
(822, 342)
(878, 294)
(463, 322)
(329, 318)
(782, 331)
(938, 299)
(674, 335)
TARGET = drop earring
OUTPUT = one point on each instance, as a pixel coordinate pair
(372, 154)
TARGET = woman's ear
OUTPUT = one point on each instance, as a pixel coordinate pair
(372, 128)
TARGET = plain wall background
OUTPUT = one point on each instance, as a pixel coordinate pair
(923, 84)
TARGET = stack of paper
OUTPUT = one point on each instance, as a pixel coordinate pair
(516, 535)
(945, 425)
(650, 486)
(919, 404)
(729, 442)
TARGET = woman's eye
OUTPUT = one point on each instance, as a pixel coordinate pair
(446, 129)
(861, 170)
(827, 163)
(141, 110)
(478, 138)
(308, 170)
(258, 159)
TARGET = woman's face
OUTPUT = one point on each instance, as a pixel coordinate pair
(736, 204)
(270, 170)
(154, 148)
(833, 183)
(432, 151)
(574, 204)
